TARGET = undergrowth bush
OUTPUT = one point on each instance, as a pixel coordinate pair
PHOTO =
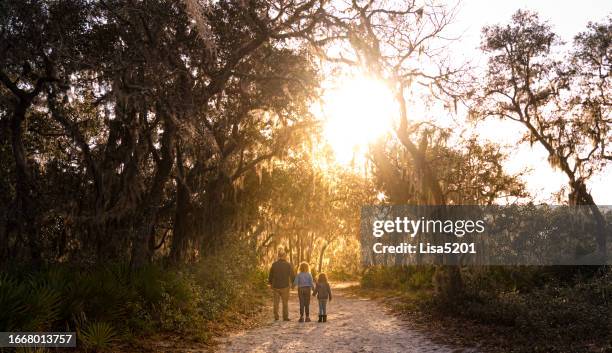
(110, 303)
(61, 297)
(398, 277)
(342, 276)
(539, 309)
(543, 310)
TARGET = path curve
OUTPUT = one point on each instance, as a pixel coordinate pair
(354, 325)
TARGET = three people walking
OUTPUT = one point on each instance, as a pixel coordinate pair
(282, 275)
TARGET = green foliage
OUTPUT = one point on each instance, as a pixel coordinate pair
(98, 336)
(108, 304)
(560, 308)
(28, 305)
(225, 277)
(341, 276)
(398, 277)
(542, 310)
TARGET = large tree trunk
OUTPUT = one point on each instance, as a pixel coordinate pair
(25, 198)
(27, 222)
(581, 197)
(214, 216)
(4, 241)
(180, 233)
(601, 232)
(141, 250)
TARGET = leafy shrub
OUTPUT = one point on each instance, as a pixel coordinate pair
(542, 309)
(98, 336)
(228, 277)
(548, 316)
(342, 276)
(398, 277)
(105, 304)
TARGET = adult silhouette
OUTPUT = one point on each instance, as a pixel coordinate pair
(280, 278)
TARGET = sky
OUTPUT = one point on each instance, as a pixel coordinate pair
(567, 19)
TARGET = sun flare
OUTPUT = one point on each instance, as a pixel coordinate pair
(356, 112)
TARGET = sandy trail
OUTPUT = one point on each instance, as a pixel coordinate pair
(354, 325)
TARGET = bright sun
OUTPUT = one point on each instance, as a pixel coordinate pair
(357, 111)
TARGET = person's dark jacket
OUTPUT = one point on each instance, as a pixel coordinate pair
(281, 274)
(323, 291)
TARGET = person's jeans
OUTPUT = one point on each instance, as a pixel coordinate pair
(278, 294)
(322, 306)
(304, 296)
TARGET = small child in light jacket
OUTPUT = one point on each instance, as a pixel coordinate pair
(323, 293)
(304, 283)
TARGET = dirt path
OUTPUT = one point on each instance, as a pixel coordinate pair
(354, 325)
